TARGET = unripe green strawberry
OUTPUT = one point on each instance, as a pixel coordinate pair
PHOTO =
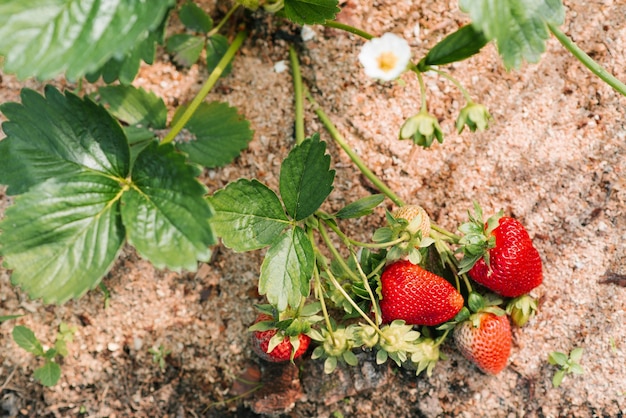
(411, 213)
(417, 296)
(514, 264)
(485, 339)
(284, 349)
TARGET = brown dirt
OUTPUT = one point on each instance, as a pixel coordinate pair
(554, 157)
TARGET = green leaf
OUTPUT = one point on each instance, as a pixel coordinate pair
(164, 211)
(5, 318)
(194, 18)
(219, 134)
(576, 354)
(134, 106)
(125, 68)
(577, 369)
(558, 378)
(248, 215)
(216, 47)
(48, 374)
(518, 26)
(185, 48)
(360, 207)
(310, 12)
(44, 38)
(305, 178)
(287, 269)
(457, 46)
(58, 135)
(557, 358)
(25, 338)
(51, 353)
(63, 235)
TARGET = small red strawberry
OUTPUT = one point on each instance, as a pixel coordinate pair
(417, 296)
(282, 350)
(485, 339)
(514, 266)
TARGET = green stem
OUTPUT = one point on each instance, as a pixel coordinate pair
(587, 61)
(206, 88)
(336, 254)
(442, 338)
(448, 258)
(454, 81)
(320, 297)
(298, 94)
(334, 133)
(319, 292)
(349, 241)
(333, 250)
(378, 268)
(454, 237)
(351, 29)
(364, 278)
(217, 28)
(420, 78)
(354, 305)
(377, 314)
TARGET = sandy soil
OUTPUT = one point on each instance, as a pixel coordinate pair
(554, 157)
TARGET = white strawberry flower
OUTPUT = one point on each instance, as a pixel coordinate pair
(385, 58)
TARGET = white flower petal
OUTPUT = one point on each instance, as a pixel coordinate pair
(385, 58)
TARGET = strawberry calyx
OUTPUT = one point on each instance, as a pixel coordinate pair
(426, 355)
(396, 341)
(287, 324)
(489, 302)
(477, 238)
(406, 238)
(335, 345)
(522, 309)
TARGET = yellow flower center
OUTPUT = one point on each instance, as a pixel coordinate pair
(387, 61)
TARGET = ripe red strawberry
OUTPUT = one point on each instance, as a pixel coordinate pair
(284, 349)
(514, 264)
(485, 339)
(417, 296)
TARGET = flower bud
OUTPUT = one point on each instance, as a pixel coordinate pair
(422, 128)
(521, 309)
(475, 116)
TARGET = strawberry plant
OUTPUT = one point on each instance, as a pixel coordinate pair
(50, 372)
(566, 364)
(92, 172)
